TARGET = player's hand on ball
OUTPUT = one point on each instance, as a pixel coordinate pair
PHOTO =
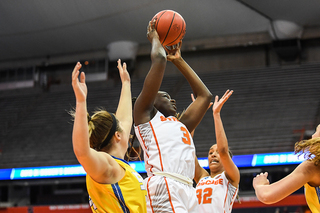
(151, 32)
(173, 54)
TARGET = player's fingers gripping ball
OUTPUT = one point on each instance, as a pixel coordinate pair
(170, 27)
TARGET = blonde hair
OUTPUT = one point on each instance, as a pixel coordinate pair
(100, 124)
(310, 149)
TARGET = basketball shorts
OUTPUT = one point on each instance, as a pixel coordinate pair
(169, 195)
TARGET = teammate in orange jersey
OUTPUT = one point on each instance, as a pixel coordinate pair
(169, 152)
(307, 174)
(216, 192)
(100, 143)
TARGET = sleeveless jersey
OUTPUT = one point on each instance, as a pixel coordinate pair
(313, 197)
(215, 195)
(127, 195)
(167, 145)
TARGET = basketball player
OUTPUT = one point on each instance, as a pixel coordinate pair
(307, 174)
(217, 192)
(100, 143)
(169, 152)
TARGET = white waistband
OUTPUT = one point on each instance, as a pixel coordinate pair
(175, 176)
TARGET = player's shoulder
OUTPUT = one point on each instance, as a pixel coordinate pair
(309, 166)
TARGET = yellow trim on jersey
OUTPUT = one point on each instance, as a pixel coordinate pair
(127, 195)
(313, 197)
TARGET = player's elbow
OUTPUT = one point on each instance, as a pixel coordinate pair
(207, 95)
(79, 152)
(223, 150)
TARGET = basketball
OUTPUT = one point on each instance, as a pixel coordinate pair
(170, 26)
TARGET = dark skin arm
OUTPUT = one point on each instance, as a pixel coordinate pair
(199, 171)
(197, 109)
(143, 108)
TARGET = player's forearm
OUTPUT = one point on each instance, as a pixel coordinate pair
(154, 77)
(158, 54)
(80, 135)
(124, 110)
(221, 137)
(198, 87)
(264, 194)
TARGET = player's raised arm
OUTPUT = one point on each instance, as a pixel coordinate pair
(197, 109)
(231, 170)
(144, 105)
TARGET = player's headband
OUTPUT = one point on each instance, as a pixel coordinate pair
(111, 132)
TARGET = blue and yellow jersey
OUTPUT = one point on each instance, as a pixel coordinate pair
(313, 197)
(127, 195)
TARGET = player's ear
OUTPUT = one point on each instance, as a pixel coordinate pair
(117, 136)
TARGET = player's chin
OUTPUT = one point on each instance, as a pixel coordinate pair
(173, 112)
(214, 166)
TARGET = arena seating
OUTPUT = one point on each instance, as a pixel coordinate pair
(268, 109)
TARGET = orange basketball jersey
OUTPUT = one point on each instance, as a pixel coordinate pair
(169, 156)
(167, 146)
(215, 194)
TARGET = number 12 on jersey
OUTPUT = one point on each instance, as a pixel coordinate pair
(204, 195)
